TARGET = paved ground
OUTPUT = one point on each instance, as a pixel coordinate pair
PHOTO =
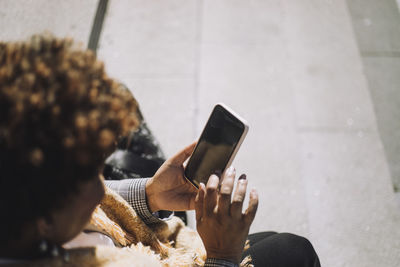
(316, 80)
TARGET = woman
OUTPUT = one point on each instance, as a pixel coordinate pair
(60, 116)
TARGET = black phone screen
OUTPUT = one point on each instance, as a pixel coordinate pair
(217, 142)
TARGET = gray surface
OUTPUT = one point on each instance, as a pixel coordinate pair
(384, 83)
(376, 24)
(357, 215)
(326, 71)
(293, 70)
(377, 30)
(19, 19)
(350, 202)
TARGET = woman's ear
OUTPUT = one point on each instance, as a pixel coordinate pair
(45, 227)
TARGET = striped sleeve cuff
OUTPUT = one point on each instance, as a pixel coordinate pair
(134, 192)
(211, 262)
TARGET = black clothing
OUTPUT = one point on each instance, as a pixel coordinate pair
(271, 249)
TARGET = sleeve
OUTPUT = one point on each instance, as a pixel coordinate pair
(134, 192)
(211, 262)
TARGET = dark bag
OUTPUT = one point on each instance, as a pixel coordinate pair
(138, 155)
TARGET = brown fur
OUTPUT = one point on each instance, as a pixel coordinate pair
(120, 212)
(166, 244)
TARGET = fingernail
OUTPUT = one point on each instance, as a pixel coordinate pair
(253, 193)
(230, 170)
(217, 173)
(213, 179)
(242, 177)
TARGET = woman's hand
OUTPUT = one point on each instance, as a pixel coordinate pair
(168, 189)
(220, 222)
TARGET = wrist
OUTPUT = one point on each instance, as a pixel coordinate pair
(150, 196)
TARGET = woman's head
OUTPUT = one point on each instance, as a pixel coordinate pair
(60, 115)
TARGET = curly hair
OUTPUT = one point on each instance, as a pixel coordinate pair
(60, 116)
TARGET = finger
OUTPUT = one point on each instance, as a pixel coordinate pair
(199, 201)
(250, 213)
(183, 155)
(238, 197)
(210, 199)
(222, 175)
(191, 200)
(225, 193)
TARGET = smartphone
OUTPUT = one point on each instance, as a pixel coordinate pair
(217, 146)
